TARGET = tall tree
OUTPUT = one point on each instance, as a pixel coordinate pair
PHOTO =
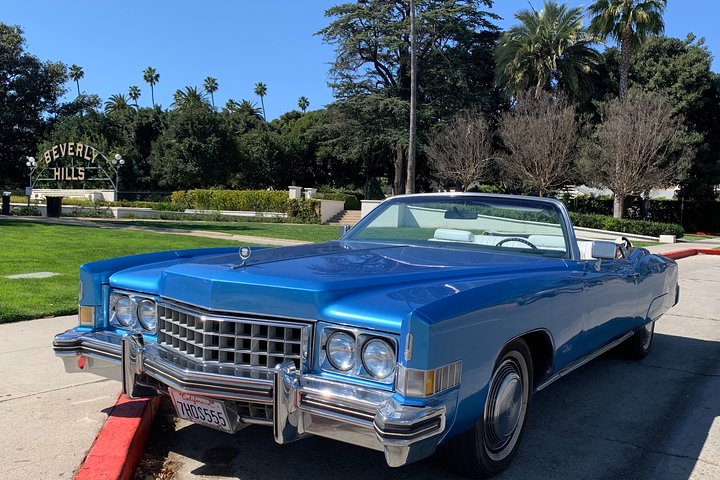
(638, 146)
(455, 40)
(211, 86)
(540, 134)
(303, 104)
(117, 102)
(462, 151)
(548, 50)
(151, 77)
(191, 98)
(261, 91)
(76, 73)
(629, 23)
(29, 93)
(134, 94)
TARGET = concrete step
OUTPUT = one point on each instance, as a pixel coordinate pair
(346, 217)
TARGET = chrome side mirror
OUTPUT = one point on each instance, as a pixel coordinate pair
(603, 251)
(343, 230)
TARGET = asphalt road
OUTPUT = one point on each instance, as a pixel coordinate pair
(654, 419)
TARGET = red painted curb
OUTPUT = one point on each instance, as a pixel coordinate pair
(120, 444)
(677, 254)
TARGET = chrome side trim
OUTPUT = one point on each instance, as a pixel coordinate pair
(582, 361)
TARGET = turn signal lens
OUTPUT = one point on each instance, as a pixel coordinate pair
(86, 316)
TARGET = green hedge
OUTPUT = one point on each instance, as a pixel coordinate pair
(235, 200)
(301, 210)
(637, 227)
(31, 211)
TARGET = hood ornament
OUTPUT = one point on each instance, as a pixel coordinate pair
(245, 253)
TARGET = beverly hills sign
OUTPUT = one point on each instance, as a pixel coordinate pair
(73, 169)
(75, 150)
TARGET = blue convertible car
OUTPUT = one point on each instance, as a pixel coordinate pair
(427, 326)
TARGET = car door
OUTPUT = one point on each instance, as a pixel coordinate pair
(611, 299)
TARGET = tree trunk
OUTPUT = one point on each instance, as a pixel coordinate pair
(619, 206)
(399, 186)
(624, 63)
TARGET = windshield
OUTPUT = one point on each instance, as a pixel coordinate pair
(518, 225)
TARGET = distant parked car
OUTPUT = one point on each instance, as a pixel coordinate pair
(429, 324)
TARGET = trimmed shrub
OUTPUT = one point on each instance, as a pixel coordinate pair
(303, 211)
(31, 211)
(637, 227)
(89, 213)
(350, 197)
(235, 200)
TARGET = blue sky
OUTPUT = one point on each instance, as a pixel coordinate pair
(239, 42)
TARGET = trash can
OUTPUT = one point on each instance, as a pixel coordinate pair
(6, 203)
(54, 206)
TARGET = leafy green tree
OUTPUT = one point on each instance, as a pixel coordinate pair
(134, 94)
(29, 93)
(151, 77)
(211, 86)
(548, 50)
(76, 73)
(455, 42)
(117, 102)
(628, 22)
(196, 150)
(190, 99)
(303, 103)
(261, 91)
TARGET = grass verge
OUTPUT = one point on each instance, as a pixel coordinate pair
(29, 247)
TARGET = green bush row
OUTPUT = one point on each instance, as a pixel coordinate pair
(235, 200)
(637, 227)
(31, 211)
(304, 211)
(351, 198)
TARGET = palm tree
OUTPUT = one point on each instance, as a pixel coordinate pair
(211, 86)
(152, 78)
(134, 94)
(117, 103)
(303, 103)
(190, 98)
(261, 91)
(628, 22)
(549, 50)
(251, 109)
(76, 73)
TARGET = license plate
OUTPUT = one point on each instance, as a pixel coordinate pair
(202, 410)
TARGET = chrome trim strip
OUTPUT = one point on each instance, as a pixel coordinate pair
(226, 313)
(582, 361)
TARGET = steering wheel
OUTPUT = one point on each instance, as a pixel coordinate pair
(515, 239)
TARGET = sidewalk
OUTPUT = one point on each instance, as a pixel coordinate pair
(709, 244)
(48, 419)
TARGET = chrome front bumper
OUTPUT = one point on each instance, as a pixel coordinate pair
(302, 404)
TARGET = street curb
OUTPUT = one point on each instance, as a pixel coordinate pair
(689, 252)
(120, 444)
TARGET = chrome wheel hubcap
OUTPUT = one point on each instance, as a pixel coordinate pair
(505, 406)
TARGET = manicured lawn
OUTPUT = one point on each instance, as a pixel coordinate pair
(308, 233)
(27, 247)
(691, 237)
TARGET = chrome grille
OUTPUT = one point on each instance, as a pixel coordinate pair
(247, 346)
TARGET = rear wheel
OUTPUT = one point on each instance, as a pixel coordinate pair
(490, 445)
(638, 346)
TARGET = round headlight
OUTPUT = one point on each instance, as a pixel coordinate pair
(378, 357)
(125, 311)
(147, 314)
(341, 351)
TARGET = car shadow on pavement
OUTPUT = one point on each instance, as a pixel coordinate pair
(612, 418)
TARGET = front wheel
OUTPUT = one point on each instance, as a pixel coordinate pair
(490, 445)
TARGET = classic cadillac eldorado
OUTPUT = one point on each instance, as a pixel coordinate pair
(427, 326)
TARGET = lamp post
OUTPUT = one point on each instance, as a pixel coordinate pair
(117, 162)
(32, 165)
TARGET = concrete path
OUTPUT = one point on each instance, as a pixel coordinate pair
(613, 418)
(48, 419)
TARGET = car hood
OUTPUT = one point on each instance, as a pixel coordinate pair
(370, 285)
